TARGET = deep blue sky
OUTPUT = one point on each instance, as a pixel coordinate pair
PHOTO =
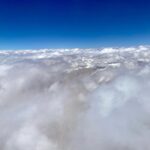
(73, 23)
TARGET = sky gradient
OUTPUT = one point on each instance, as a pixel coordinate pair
(26, 24)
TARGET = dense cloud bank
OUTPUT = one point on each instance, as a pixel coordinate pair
(75, 99)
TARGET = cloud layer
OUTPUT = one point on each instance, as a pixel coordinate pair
(75, 99)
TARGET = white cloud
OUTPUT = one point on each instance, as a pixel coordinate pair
(46, 104)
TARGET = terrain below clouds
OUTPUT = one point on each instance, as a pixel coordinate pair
(75, 99)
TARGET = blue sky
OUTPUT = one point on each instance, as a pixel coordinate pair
(26, 24)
